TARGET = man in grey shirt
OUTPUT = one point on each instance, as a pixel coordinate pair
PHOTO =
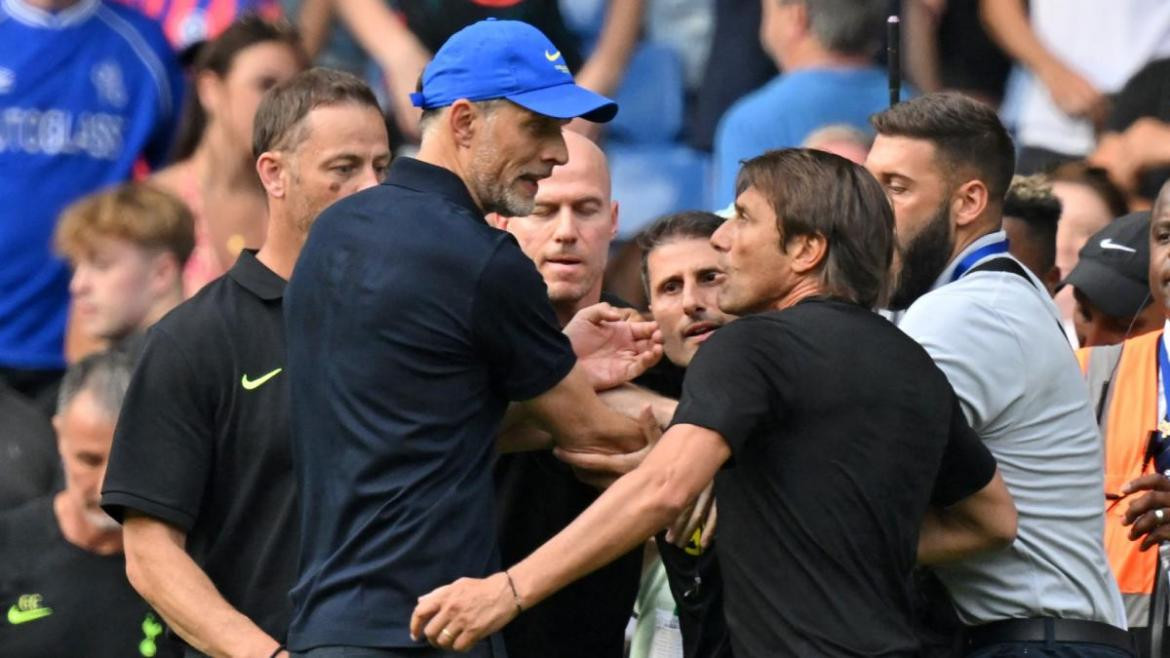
(946, 162)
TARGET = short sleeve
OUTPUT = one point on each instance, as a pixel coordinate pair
(514, 325)
(967, 465)
(164, 441)
(726, 389)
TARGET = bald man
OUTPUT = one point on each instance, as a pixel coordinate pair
(567, 236)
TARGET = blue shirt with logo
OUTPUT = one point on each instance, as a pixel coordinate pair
(411, 324)
(84, 94)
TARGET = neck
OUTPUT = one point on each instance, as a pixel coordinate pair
(78, 530)
(805, 288)
(282, 245)
(435, 150)
(565, 310)
(966, 236)
(218, 164)
(163, 306)
(811, 55)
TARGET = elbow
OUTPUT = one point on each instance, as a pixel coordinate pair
(668, 499)
(136, 572)
(1002, 532)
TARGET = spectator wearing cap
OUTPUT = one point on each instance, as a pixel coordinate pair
(1030, 215)
(413, 328)
(1111, 283)
(1127, 384)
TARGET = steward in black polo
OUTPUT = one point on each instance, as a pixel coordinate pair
(201, 469)
(202, 443)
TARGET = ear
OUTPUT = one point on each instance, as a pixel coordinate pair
(462, 120)
(808, 252)
(271, 166)
(613, 219)
(799, 18)
(969, 202)
(209, 90)
(165, 271)
(497, 220)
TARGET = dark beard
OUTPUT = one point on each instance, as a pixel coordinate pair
(923, 259)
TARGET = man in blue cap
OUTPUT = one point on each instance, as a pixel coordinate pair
(418, 335)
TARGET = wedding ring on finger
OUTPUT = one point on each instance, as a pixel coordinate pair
(1160, 516)
(448, 634)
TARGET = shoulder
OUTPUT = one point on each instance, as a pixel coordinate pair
(761, 101)
(143, 38)
(199, 321)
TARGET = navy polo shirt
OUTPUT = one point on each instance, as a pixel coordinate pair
(411, 324)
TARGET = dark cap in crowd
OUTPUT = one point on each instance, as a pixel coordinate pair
(1113, 270)
(513, 60)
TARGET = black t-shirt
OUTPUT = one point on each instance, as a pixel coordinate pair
(1147, 94)
(412, 325)
(842, 432)
(61, 600)
(202, 442)
(434, 21)
(537, 496)
(29, 464)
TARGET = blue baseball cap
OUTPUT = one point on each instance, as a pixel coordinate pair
(513, 60)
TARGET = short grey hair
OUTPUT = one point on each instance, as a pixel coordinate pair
(106, 375)
(487, 107)
(852, 27)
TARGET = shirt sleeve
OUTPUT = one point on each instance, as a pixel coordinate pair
(514, 325)
(967, 465)
(164, 442)
(726, 389)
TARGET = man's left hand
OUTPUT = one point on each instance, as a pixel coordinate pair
(456, 616)
(613, 345)
(1142, 514)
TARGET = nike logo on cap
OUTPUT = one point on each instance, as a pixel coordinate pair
(552, 57)
(251, 384)
(1108, 243)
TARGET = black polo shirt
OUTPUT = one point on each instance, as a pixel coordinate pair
(58, 599)
(411, 326)
(830, 475)
(202, 441)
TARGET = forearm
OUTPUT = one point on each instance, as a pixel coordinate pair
(160, 569)
(1148, 142)
(985, 521)
(316, 16)
(623, 517)
(629, 400)
(605, 68)
(376, 29)
(945, 539)
(1008, 25)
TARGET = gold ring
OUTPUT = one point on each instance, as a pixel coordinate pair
(448, 633)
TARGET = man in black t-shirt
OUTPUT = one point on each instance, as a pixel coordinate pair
(841, 453)
(63, 588)
(201, 471)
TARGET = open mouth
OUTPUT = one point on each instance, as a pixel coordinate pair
(700, 330)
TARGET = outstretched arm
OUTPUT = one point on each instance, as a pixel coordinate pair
(635, 507)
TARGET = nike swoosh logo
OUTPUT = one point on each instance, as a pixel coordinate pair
(17, 616)
(553, 57)
(252, 384)
(1108, 243)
